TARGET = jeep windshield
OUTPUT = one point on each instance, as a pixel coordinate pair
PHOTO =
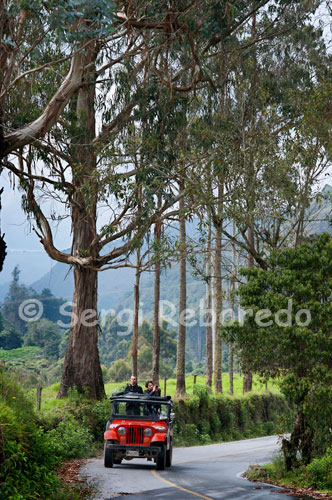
(141, 407)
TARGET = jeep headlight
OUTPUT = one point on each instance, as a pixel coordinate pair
(148, 432)
(122, 431)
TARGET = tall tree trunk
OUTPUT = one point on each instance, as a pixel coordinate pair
(208, 311)
(232, 304)
(136, 313)
(217, 295)
(156, 325)
(3, 245)
(181, 343)
(81, 366)
(247, 379)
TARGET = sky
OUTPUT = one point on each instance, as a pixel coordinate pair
(23, 245)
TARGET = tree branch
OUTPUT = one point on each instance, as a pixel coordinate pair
(28, 133)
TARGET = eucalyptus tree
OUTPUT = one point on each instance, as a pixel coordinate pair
(75, 124)
(279, 156)
(256, 163)
(87, 159)
(43, 41)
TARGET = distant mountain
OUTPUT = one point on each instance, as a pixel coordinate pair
(112, 284)
(115, 286)
(33, 264)
(115, 289)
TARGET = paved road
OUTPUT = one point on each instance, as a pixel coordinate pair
(209, 472)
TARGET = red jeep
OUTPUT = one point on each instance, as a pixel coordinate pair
(140, 426)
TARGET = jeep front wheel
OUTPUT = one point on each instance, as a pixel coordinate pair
(161, 458)
(108, 456)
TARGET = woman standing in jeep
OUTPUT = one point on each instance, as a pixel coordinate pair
(152, 390)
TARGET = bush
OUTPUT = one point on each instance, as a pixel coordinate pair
(70, 440)
(319, 471)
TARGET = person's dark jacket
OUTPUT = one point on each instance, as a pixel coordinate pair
(133, 408)
(152, 409)
(133, 388)
(157, 392)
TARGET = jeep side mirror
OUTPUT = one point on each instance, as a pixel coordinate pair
(172, 416)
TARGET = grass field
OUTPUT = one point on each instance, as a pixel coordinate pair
(49, 400)
(20, 354)
(258, 386)
(31, 358)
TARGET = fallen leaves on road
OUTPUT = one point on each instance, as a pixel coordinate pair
(299, 492)
(69, 474)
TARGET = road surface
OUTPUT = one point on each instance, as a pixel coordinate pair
(209, 472)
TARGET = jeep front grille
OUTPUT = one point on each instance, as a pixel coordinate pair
(135, 434)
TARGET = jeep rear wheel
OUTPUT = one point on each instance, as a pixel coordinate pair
(169, 454)
(161, 458)
(108, 456)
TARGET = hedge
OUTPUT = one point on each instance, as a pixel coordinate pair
(206, 418)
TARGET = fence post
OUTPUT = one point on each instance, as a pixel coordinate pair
(195, 377)
(165, 382)
(39, 391)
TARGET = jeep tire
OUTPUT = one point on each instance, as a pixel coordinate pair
(161, 458)
(169, 455)
(108, 456)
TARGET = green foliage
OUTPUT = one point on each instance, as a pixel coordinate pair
(112, 334)
(51, 305)
(30, 367)
(26, 460)
(10, 338)
(46, 335)
(16, 295)
(302, 353)
(119, 371)
(22, 353)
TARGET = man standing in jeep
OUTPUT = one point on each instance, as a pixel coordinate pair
(133, 408)
(133, 387)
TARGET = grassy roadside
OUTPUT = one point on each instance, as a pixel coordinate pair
(313, 480)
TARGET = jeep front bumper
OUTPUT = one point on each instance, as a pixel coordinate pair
(133, 451)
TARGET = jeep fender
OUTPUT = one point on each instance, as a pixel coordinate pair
(161, 438)
(110, 434)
